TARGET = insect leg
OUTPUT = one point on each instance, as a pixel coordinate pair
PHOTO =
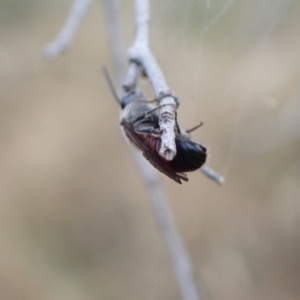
(194, 128)
(147, 128)
(156, 108)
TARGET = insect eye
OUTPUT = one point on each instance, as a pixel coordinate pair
(192, 153)
(128, 98)
(131, 97)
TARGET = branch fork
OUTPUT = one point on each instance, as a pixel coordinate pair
(141, 58)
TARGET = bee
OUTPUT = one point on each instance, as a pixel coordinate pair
(139, 119)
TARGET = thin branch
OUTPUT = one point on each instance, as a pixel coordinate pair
(213, 175)
(179, 255)
(64, 39)
(177, 250)
(141, 54)
(130, 81)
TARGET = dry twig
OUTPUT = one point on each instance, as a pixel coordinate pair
(64, 39)
(141, 56)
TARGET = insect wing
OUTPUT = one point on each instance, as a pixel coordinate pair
(159, 165)
(132, 135)
(149, 154)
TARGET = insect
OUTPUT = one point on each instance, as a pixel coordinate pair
(140, 123)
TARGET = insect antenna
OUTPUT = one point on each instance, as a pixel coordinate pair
(110, 84)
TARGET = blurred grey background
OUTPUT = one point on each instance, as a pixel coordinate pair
(75, 220)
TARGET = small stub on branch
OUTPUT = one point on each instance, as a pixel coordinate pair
(212, 174)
